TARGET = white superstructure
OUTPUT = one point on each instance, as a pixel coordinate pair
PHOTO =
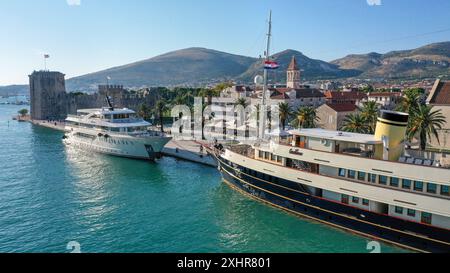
(118, 132)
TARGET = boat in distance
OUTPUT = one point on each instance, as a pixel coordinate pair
(118, 132)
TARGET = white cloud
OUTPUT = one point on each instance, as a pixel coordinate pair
(370, 2)
(73, 2)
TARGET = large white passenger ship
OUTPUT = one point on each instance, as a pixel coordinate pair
(354, 181)
(362, 183)
(118, 132)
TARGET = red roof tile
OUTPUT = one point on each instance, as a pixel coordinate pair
(342, 107)
(441, 94)
(345, 95)
(384, 94)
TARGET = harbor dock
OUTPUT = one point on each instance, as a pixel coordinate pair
(189, 150)
(181, 149)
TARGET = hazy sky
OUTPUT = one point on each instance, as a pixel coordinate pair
(85, 36)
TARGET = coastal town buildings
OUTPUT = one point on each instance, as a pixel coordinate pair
(386, 100)
(332, 116)
(345, 97)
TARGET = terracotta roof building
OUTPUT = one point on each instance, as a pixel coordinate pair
(297, 97)
(386, 100)
(353, 97)
(440, 94)
(331, 116)
(439, 98)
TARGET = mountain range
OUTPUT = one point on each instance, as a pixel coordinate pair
(200, 66)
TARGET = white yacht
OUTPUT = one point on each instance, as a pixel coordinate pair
(118, 132)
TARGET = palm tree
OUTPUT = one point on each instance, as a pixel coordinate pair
(284, 111)
(241, 101)
(369, 112)
(424, 122)
(355, 123)
(161, 107)
(144, 111)
(209, 94)
(305, 117)
(410, 101)
(179, 100)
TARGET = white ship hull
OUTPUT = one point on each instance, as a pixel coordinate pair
(139, 147)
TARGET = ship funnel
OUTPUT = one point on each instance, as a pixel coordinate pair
(391, 129)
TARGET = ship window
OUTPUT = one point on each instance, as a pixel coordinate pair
(382, 180)
(344, 198)
(279, 159)
(431, 188)
(361, 176)
(273, 157)
(418, 186)
(394, 182)
(372, 178)
(266, 155)
(426, 218)
(365, 202)
(444, 190)
(342, 172)
(411, 213)
(406, 184)
(398, 210)
(261, 154)
(351, 174)
(355, 199)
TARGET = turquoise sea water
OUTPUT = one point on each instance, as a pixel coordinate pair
(51, 195)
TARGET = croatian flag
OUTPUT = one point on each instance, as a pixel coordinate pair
(270, 65)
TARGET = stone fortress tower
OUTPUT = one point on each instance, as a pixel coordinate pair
(293, 75)
(47, 95)
(50, 101)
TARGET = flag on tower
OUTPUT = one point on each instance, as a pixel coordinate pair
(271, 65)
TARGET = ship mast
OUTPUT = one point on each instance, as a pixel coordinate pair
(263, 112)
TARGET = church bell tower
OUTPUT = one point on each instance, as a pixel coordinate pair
(293, 75)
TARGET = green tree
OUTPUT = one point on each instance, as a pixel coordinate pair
(222, 86)
(23, 112)
(144, 111)
(356, 123)
(368, 89)
(424, 122)
(284, 111)
(161, 107)
(209, 94)
(241, 101)
(305, 117)
(369, 111)
(410, 100)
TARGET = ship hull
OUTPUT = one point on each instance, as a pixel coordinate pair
(148, 148)
(289, 196)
